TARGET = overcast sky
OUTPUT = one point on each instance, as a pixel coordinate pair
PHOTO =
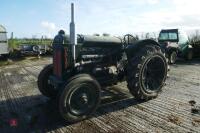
(45, 17)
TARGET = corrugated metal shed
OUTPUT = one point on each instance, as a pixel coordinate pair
(2, 29)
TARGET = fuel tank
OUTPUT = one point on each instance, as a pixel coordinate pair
(95, 41)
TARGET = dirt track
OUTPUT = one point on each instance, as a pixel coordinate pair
(119, 112)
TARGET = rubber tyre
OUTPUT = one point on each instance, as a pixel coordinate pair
(45, 88)
(135, 72)
(68, 90)
(5, 56)
(172, 57)
(189, 55)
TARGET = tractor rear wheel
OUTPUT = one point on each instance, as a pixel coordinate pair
(45, 88)
(146, 73)
(79, 98)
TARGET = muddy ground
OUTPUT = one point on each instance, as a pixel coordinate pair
(24, 109)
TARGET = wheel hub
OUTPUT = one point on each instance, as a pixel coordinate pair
(84, 98)
(153, 74)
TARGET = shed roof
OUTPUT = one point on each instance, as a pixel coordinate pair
(2, 29)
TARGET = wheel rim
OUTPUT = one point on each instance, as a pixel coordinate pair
(153, 74)
(82, 99)
(173, 57)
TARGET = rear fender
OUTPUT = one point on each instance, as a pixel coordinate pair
(131, 50)
(185, 51)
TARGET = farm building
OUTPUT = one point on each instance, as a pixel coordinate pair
(4, 49)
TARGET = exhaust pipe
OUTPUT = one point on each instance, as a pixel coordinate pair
(73, 38)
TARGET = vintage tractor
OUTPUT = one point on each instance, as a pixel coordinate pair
(78, 71)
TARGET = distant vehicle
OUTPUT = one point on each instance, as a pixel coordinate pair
(175, 43)
(30, 49)
(4, 48)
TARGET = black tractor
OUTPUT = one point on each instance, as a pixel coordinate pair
(79, 71)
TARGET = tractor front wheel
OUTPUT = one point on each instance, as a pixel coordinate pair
(146, 73)
(79, 98)
(45, 88)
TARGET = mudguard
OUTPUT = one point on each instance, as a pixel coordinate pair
(186, 49)
(132, 49)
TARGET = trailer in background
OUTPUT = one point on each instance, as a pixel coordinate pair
(4, 48)
(33, 49)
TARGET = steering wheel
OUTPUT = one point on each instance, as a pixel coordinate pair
(128, 38)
